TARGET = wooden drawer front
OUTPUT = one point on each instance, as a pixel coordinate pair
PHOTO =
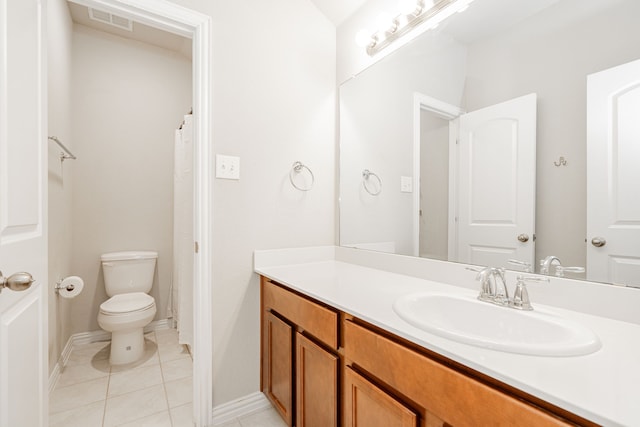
(366, 405)
(316, 385)
(278, 386)
(315, 319)
(455, 398)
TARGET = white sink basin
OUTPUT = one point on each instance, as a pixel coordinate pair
(468, 320)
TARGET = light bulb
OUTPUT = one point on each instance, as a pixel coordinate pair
(363, 38)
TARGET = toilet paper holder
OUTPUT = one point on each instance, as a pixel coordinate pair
(68, 288)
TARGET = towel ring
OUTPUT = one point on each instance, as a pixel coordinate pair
(297, 168)
(561, 162)
(366, 175)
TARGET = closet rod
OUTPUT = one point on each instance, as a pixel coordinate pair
(67, 154)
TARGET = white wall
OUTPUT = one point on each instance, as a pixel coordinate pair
(273, 104)
(376, 133)
(127, 100)
(60, 184)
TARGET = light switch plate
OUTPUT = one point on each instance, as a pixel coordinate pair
(406, 184)
(227, 167)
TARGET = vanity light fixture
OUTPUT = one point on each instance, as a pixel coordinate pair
(413, 14)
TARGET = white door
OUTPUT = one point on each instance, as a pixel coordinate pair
(23, 228)
(496, 180)
(613, 179)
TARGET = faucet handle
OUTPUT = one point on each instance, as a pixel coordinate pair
(521, 299)
(527, 265)
(521, 278)
(560, 270)
(484, 277)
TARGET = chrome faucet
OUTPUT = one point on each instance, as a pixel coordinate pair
(501, 296)
(545, 264)
(545, 267)
(493, 286)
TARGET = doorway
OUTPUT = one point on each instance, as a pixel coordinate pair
(174, 19)
(487, 207)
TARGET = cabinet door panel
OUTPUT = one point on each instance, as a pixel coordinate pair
(449, 394)
(316, 320)
(279, 365)
(316, 385)
(365, 405)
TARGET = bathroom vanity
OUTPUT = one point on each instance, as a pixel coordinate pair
(334, 352)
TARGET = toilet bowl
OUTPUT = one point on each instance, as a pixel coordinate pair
(125, 316)
(128, 276)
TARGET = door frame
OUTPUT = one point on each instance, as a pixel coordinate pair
(188, 23)
(446, 111)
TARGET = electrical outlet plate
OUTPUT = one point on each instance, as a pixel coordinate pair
(227, 167)
(406, 184)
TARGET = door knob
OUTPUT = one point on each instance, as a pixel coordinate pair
(598, 242)
(523, 237)
(16, 282)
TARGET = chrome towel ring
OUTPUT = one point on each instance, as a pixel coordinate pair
(366, 176)
(296, 169)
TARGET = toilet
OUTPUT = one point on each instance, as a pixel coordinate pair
(128, 277)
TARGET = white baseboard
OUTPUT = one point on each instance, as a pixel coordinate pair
(246, 405)
(53, 377)
(95, 336)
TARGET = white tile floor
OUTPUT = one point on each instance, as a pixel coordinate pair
(155, 391)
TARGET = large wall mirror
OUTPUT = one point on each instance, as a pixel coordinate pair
(511, 131)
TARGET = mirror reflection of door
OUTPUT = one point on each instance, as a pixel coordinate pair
(486, 213)
(613, 154)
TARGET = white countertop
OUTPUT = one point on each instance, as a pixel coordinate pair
(601, 387)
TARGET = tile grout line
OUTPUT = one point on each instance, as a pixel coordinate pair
(109, 372)
(164, 385)
(104, 411)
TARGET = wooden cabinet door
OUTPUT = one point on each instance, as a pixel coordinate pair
(278, 348)
(365, 405)
(316, 385)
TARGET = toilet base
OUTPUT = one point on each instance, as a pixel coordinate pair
(126, 346)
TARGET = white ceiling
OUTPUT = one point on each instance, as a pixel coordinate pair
(338, 10)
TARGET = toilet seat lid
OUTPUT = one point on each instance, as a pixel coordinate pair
(126, 303)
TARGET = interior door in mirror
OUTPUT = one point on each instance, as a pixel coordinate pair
(495, 198)
(613, 153)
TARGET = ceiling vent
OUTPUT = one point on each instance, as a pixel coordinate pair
(110, 19)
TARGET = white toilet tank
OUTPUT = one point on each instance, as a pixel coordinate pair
(130, 271)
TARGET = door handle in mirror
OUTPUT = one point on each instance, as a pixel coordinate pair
(16, 282)
(598, 242)
(523, 237)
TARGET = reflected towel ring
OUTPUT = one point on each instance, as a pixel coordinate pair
(297, 168)
(561, 162)
(366, 174)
